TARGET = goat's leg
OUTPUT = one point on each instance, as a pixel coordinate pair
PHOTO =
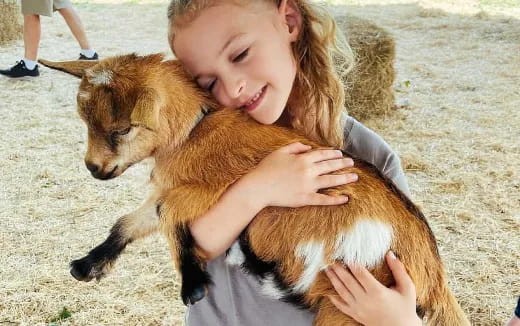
(138, 224)
(191, 265)
(329, 315)
(179, 208)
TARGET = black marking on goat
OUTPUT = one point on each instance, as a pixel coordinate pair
(252, 263)
(158, 206)
(99, 174)
(204, 111)
(262, 269)
(112, 141)
(420, 312)
(102, 255)
(204, 108)
(296, 299)
(114, 105)
(410, 206)
(195, 279)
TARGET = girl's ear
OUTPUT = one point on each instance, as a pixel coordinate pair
(291, 16)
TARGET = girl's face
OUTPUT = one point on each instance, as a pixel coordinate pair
(242, 55)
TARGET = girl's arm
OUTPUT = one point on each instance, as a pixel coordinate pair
(215, 231)
(369, 146)
(288, 177)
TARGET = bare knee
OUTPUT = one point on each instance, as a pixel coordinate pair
(31, 18)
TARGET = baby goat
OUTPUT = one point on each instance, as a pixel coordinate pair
(138, 107)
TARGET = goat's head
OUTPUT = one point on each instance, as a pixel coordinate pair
(120, 101)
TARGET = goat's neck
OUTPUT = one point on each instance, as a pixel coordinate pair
(181, 115)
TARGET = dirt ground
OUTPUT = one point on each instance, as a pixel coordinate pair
(457, 131)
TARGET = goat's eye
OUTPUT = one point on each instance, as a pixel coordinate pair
(123, 132)
(117, 133)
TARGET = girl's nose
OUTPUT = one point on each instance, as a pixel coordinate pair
(234, 87)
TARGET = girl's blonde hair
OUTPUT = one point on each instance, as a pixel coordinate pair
(323, 58)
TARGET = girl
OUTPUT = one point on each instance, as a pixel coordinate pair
(274, 60)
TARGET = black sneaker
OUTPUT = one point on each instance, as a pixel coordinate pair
(84, 57)
(19, 70)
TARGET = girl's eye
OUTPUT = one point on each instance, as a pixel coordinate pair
(241, 56)
(210, 86)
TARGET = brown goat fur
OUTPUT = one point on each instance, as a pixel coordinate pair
(137, 107)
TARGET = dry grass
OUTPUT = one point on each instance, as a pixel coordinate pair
(10, 27)
(457, 131)
(369, 90)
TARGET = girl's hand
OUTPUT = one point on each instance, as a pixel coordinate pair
(292, 175)
(369, 302)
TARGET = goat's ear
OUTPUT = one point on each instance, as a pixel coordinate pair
(146, 110)
(76, 67)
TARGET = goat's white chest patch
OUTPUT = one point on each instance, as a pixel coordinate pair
(313, 260)
(235, 256)
(366, 243)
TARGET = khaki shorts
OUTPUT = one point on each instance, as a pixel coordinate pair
(43, 7)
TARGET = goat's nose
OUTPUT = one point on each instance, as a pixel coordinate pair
(92, 167)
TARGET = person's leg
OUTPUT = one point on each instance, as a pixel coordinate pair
(74, 22)
(515, 320)
(27, 67)
(31, 35)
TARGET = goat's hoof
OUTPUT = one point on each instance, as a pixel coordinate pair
(84, 270)
(195, 295)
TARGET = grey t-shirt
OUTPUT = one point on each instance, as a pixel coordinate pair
(235, 298)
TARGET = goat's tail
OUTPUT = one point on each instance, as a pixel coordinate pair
(445, 310)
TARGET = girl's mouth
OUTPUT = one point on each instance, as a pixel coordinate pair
(255, 101)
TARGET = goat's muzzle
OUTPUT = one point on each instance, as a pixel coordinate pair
(98, 173)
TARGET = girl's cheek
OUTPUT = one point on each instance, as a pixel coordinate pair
(222, 99)
(215, 93)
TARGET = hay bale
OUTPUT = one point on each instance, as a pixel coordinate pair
(10, 23)
(368, 87)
